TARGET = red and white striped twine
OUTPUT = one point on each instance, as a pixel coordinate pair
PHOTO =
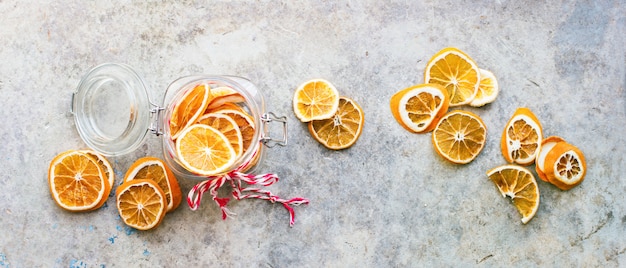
(236, 180)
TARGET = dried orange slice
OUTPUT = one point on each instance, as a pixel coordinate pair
(222, 95)
(152, 168)
(226, 106)
(565, 166)
(419, 108)
(227, 126)
(315, 99)
(546, 145)
(521, 138)
(487, 89)
(245, 124)
(141, 203)
(104, 164)
(520, 185)
(459, 136)
(77, 183)
(190, 107)
(205, 150)
(457, 72)
(343, 129)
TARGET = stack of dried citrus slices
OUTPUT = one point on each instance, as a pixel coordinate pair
(451, 79)
(211, 129)
(335, 122)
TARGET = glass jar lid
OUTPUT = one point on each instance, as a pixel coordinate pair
(112, 109)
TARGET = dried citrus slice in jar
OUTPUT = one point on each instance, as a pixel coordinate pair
(77, 183)
(142, 204)
(457, 72)
(520, 185)
(487, 89)
(521, 138)
(227, 126)
(419, 108)
(152, 168)
(245, 124)
(222, 95)
(459, 136)
(565, 166)
(315, 99)
(205, 150)
(343, 129)
(546, 145)
(188, 109)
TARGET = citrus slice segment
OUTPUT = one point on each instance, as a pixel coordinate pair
(487, 89)
(521, 138)
(459, 136)
(315, 99)
(190, 107)
(519, 184)
(457, 72)
(546, 145)
(245, 124)
(565, 166)
(152, 168)
(343, 129)
(419, 108)
(227, 126)
(141, 203)
(104, 164)
(76, 181)
(204, 150)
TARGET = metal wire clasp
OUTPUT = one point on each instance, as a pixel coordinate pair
(155, 126)
(266, 139)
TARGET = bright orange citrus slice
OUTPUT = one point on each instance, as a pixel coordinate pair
(77, 183)
(565, 166)
(343, 129)
(155, 169)
(419, 108)
(205, 150)
(459, 136)
(190, 107)
(315, 99)
(141, 203)
(487, 90)
(457, 72)
(245, 124)
(520, 185)
(546, 145)
(227, 126)
(521, 138)
(104, 164)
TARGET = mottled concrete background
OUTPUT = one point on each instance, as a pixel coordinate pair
(389, 201)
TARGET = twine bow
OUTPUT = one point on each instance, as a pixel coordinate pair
(237, 181)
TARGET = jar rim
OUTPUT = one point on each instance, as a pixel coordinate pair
(111, 109)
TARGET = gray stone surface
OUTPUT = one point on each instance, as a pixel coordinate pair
(388, 201)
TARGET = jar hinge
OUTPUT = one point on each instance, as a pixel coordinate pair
(155, 126)
(266, 139)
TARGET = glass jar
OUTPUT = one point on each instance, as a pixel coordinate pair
(114, 114)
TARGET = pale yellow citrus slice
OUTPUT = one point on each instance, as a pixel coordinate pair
(141, 203)
(519, 184)
(76, 181)
(457, 72)
(245, 123)
(487, 90)
(188, 109)
(565, 166)
(546, 145)
(205, 150)
(315, 99)
(222, 95)
(343, 129)
(459, 136)
(227, 126)
(155, 169)
(419, 108)
(521, 138)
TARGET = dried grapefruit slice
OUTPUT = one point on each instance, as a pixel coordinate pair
(419, 108)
